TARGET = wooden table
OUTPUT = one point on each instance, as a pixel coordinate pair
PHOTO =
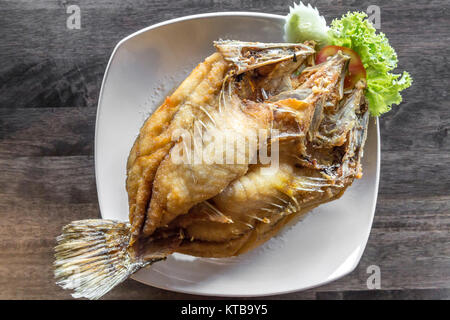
(50, 78)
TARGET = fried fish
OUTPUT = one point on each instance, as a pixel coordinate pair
(210, 205)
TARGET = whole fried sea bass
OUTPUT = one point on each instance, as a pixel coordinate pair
(260, 94)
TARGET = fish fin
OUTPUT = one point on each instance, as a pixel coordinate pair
(247, 56)
(92, 257)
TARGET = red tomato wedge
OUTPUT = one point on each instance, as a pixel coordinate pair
(356, 69)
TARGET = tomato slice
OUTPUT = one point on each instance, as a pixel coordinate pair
(356, 70)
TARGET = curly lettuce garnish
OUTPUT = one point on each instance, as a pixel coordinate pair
(354, 31)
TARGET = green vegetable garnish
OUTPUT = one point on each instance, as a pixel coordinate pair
(304, 23)
(354, 31)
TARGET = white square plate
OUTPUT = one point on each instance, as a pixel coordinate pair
(144, 68)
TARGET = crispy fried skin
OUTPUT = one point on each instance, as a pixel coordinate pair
(180, 186)
(155, 138)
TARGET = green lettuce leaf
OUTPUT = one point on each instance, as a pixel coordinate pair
(354, 31)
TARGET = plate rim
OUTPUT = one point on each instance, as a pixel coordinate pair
(96, 162)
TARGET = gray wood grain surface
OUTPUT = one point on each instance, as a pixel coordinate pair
(50, 78)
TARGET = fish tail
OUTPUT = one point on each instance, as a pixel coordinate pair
(92, 257)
